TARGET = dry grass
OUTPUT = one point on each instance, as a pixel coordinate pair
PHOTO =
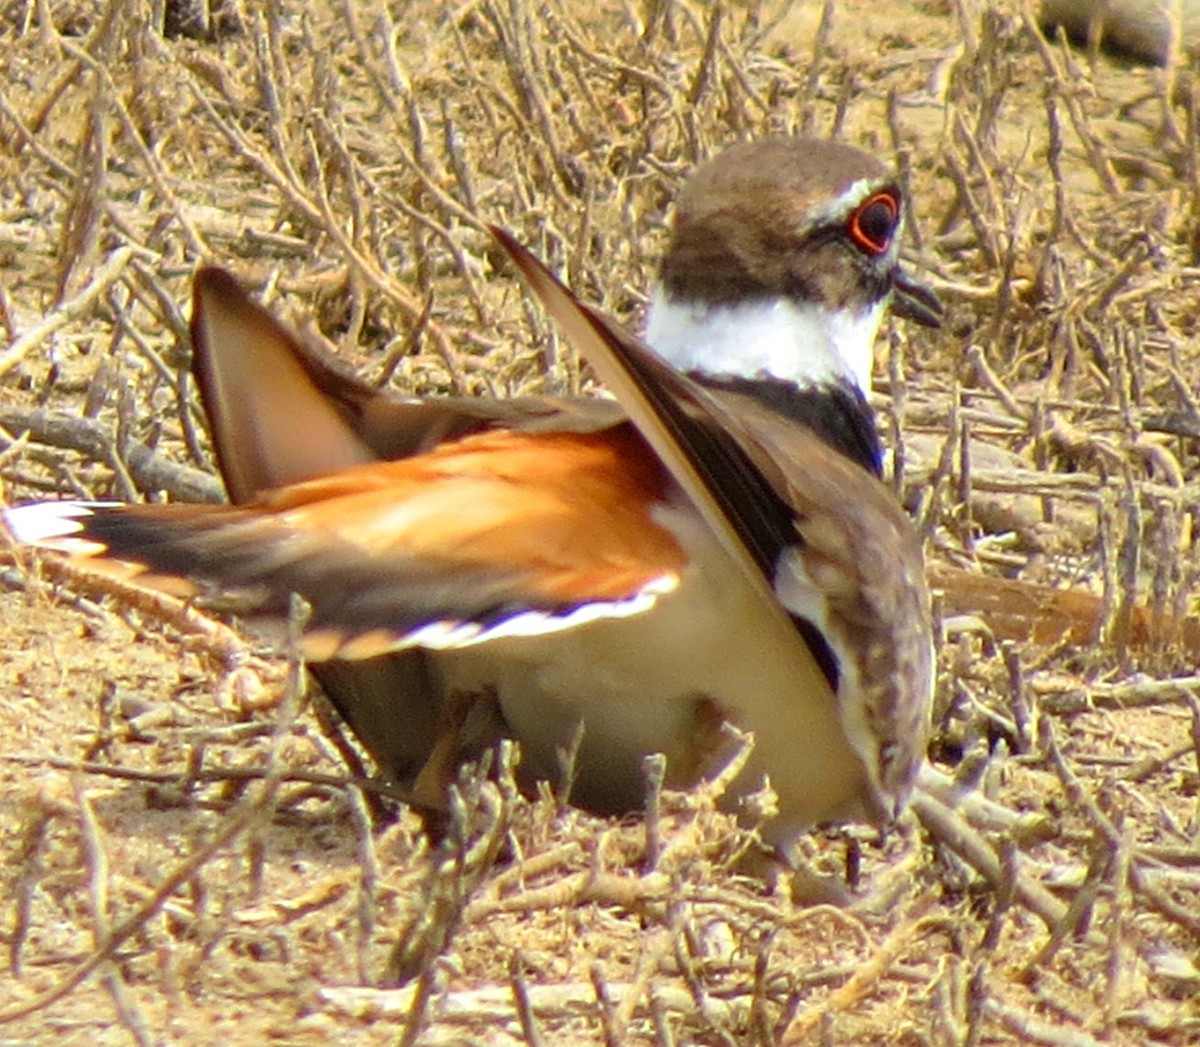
(180, 865)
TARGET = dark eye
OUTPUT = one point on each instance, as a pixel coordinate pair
(873, 223)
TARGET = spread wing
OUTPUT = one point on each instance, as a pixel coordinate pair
(687, 427)
(821, 539)
(280, 411)
(256, 384)
(498, 534)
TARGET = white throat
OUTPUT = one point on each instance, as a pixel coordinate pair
(803, 343)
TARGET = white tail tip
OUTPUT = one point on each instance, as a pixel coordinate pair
(52, 525)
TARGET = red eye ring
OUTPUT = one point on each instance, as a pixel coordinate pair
(873, 223)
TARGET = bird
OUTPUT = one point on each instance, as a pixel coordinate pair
(712, 548)
(1146, 31)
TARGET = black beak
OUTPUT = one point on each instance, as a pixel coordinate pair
(914, 301)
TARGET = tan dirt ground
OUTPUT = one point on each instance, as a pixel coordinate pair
(340, 157)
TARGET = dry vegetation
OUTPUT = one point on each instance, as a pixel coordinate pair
(183, 859)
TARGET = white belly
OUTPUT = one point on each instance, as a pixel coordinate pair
(659, 682)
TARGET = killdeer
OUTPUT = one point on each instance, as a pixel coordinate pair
(715, 547)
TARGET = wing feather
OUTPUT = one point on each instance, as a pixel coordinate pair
(257, 379)
(471, 537)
